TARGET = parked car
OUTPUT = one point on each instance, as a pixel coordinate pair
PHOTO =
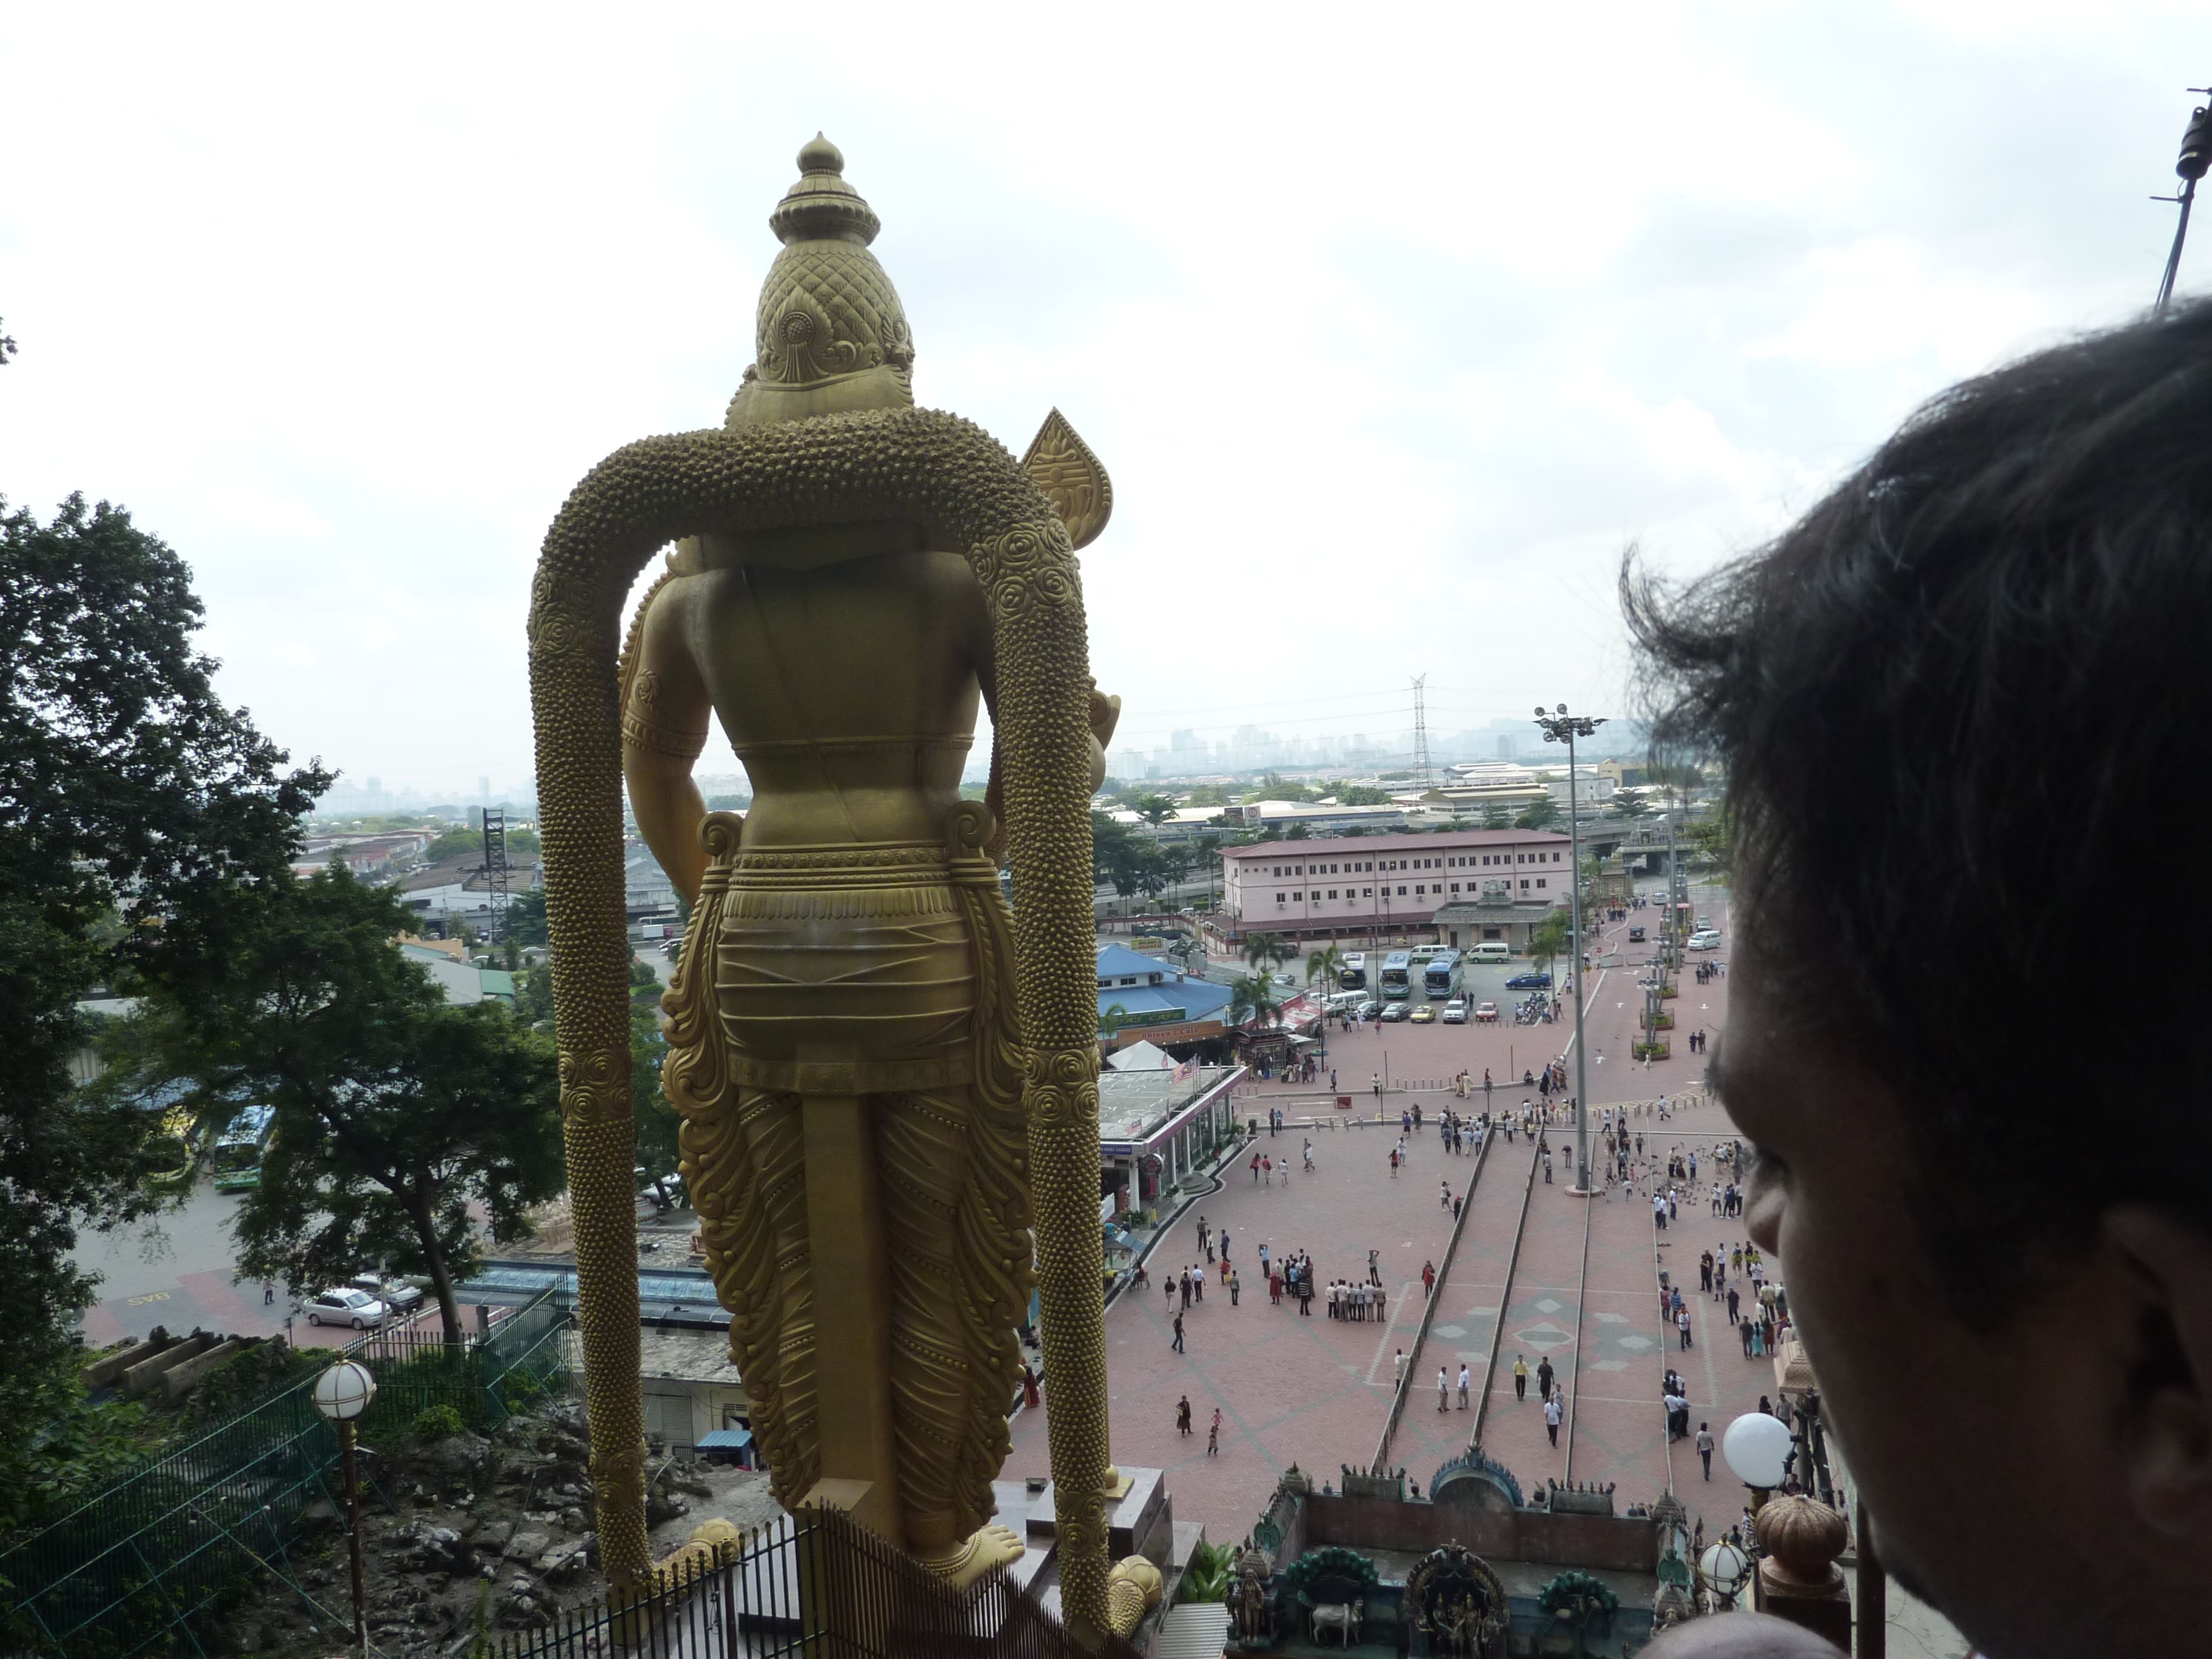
(1396, 1013)
(1456, 1011)
(1486, 1012)
(396, 1294)
(342, 1305)
(1371, 1009)
(1705, 939)
(1535, 979)
(1424, 1015)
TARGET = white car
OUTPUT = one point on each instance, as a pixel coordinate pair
(1456, 1011)
(343, 1305)
(1706, 939)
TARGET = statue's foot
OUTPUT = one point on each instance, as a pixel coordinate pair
(988, 1547)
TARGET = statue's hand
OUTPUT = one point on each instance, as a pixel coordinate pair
(1105, 714)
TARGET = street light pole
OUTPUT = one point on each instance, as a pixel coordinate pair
(1563, 727)
(2196, 160)
(342, 1394)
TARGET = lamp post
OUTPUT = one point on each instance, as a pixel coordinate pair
(1563, 727)
(342, 1395)
(2195, 162)
(1757, 1447)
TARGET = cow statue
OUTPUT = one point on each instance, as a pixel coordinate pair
(1342, 1617)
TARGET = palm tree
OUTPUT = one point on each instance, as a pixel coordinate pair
(1252, 1000)
(1267, 952)
(1324, 965)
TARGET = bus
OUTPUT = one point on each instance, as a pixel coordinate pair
(235, 1158)
(1352, 976)
(1397, 976)
(1442, 976)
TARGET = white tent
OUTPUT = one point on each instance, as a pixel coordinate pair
(1140, 1057)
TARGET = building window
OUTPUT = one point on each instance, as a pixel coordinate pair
(1524, 883)
(1279, 898)
(1539, 881)
(1367, 892)
(1454, 887)
(1331, 892)
(1401, 892)
(1421, 891)
(1300, 898)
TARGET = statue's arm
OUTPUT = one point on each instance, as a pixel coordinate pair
(665, 715)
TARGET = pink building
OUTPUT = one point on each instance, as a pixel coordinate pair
(1358, 886)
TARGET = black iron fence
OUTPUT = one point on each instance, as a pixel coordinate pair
(819, 1587)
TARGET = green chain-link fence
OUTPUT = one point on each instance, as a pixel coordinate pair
(131, 1568)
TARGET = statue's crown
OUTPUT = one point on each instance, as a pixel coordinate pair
(831, 335)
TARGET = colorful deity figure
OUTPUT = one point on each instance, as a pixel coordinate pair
(885, 1075)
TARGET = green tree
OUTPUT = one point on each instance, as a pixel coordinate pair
(1631, 804)
(1540, 815)
(1252, 998)
(1155, 809)
(1362, 794)
(1711, 840)
(1550, 939)
(526, 918)
(1323, 967)
(1493, 816)
(1267, 952)
(454, 844)
(138, 816)
(396, 1113)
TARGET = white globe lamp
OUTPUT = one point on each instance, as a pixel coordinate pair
(1758, 1447)
(343, 1390)
(1726, 1567)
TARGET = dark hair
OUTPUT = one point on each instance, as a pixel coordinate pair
(1965, 708)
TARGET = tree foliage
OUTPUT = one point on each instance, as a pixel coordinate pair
(397, 1114)
(140, 820)
(1540, 815)
(1550, 939)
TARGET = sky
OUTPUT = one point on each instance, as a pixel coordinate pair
(1395, 329)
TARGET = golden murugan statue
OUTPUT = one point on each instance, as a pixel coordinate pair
(879, 1067)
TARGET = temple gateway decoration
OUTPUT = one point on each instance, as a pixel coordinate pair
(885, 1077)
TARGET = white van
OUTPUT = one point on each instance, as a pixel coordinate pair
(1491, 950)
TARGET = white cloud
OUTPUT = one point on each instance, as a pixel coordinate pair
(1394, 329)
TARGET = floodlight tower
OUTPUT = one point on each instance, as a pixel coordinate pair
(1563, 727)
(495, 848)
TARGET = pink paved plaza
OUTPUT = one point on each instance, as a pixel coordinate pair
(1582, 1292)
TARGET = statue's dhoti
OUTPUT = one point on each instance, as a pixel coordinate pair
(844, 1051)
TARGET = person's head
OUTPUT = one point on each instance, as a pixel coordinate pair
(1963, 707)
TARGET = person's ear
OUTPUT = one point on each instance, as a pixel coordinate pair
(2164, 1320)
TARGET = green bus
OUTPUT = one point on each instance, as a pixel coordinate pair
(234, 1160)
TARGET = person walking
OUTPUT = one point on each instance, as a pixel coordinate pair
(1543, 1378)
(1213, 1435)
(1444, 1202)
(1552, 1414)
(1682, 1325)
(1456, 1201)
(1520, 1378)
(1236, 1285)
(268, 1292)
(1428, 1279)
(1177, 1344)
(1464, 1378)
(1398, 1370)
(1374, 1266)
(1705, 1448)
(1183, 1415)
(1444, 1390)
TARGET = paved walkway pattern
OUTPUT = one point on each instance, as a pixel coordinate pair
(1583, 1291)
